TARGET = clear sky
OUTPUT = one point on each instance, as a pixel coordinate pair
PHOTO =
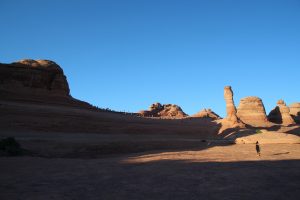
(127, 54)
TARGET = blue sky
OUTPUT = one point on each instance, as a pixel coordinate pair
(125, 55)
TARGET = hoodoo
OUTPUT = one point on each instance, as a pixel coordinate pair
(230, 107)
(295, 112)
(281, 114)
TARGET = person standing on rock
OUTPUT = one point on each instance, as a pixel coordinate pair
(257, 148)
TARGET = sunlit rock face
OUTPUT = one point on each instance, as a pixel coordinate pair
(230, 107)
(207, 113)
(165, 110)
(251, 111)
(281, 114)
(34, 77)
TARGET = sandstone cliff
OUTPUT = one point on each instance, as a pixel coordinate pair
(165, 110)
(252, 112)
(38, 81)
(34, 76)
(281, 114)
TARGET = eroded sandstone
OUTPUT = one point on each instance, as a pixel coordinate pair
(34, 77)
(251, 111)
(281, 114)
(165, 110)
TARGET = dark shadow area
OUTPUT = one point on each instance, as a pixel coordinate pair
(275, 116)
(295, 131)
(296, 118)
(164, 179)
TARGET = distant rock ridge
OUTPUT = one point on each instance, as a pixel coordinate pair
(207, 113)
(34, 77)
(251, 111)
(163, 110)
(281, 114)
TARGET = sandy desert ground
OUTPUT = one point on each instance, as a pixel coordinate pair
(159, 166)
(74, 153)
(209, 171)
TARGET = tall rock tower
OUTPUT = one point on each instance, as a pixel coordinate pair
(230, 107)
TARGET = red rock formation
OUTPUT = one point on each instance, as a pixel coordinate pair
(207, 113)
(295, 112)
(251, 111)
(38, 81)
(230, 107)
(166, 110)
(34, 77)
(281, 114)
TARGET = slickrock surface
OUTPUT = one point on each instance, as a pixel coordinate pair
(281, 114)
(165, 110)
(207, 113)
(269, 137)
(34, 77)
(230, 107)
(251, 111)
(295, 112)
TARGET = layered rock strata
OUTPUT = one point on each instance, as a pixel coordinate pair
(251, 111)
(34, 77)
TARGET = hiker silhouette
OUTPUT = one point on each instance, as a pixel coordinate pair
(257, 148)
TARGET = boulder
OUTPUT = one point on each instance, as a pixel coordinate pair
(251, 111)
(295, 112)
(281, 114)
(165, 110)
(207, 113)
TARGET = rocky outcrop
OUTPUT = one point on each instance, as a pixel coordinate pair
(295, 112)
(165, 110)
(34, 77)
(281, 114)
(207, 113)
(251, 111)
(230, 107)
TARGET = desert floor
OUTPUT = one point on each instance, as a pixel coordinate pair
(99, 166)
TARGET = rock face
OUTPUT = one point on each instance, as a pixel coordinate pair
(251, 111)
(295, 112)
(165, 110)
(281, 114)
(230, 107)
(207, 113)
(34, 77)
